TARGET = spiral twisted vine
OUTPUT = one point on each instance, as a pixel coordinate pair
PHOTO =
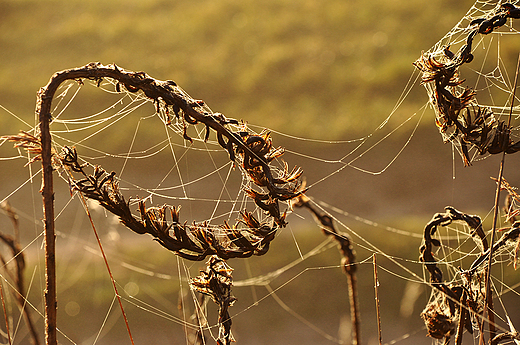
(471, 123)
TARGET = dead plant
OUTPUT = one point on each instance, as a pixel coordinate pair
(459, 306)
(470, 124)
(251, 152)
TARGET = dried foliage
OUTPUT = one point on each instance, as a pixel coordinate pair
(464, 122)
(253, 153)
(192, 242)
(29, 143)
(196, 241)
(472, 124)
(216, 282)
(459, 306)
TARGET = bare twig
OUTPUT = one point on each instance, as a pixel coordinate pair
(6, 206)
(5, 315)
(463, 314)
(84, 201)
(43, 109)
(20, 283)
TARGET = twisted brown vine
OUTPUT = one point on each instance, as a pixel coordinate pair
(473, 124)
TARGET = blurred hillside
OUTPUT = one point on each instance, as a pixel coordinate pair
(338, 66)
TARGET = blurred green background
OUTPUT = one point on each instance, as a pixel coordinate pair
(318, 69)
(329, 70)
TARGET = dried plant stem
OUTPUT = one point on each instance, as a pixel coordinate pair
(462, 319)
(354, 308)
(43, 108)
(349, 267)
(376, 289)
(255, 151)
(84, 201)
(5, 315)
(488, 307)
(13, 242)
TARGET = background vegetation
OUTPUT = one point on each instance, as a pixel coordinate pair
(337, 67)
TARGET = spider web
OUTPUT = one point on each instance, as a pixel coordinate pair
(149, 150)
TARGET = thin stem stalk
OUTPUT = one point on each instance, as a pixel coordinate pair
(376, 289)
(5, 315)
(84, 201)
(488, 307)
(43, 109)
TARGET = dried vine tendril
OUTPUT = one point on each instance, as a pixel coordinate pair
(472, 124)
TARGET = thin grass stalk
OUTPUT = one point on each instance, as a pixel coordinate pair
(84, 201)
(376, 289)
(43, 109)
(5, 315)
(488, 307)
